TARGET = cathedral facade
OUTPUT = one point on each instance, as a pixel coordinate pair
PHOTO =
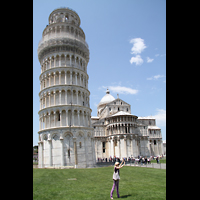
(118, 133)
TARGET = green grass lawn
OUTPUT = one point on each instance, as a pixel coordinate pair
(96, 183)
(162, 160)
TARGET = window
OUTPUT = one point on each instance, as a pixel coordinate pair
(118, 108)
(121, 103)
(80, 145)
(109, 109)
(68, 153)
(104, 147)
(154, 142)
(127, 109)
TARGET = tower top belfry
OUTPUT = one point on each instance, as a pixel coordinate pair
(63, 30)
(66, 15)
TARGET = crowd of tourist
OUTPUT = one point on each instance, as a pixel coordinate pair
(138, 160)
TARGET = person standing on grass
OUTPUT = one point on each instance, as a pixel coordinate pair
(116, 178)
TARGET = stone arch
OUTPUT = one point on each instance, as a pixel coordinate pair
(57, 61)
(45, 137)
(62, 60)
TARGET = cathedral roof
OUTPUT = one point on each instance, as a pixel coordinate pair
(153, 127)
(122, 113)
(107, 98)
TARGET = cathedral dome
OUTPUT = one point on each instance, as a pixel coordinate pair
(107, 98)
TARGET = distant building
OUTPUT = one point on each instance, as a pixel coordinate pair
(119, 133)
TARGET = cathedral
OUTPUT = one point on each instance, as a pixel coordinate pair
(68, 136)
(118, 133)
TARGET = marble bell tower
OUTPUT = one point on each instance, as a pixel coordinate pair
(65, 133)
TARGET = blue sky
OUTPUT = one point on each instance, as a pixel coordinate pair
(127, 43)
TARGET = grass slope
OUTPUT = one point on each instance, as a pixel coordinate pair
(96, 183)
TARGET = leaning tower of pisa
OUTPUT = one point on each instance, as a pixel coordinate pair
(65, 134)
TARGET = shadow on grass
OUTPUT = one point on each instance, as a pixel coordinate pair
(125, 196)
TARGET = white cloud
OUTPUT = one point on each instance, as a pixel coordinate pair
(122, 90)
(149, 60)
(138, 45)
(137, 60)
(160, 117)
(156, 77)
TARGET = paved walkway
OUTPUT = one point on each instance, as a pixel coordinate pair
(152, 165)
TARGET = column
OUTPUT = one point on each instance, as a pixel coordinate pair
(54, 118)
(86, 150)
(66, 117)
(113, 139)
(72, 120)
(49, 79)
(40, 155)
(54, 75)
(59, 77)
(75, 152)
(118, 141)
(133, 147)
(65, 77)
(77, 97)
(72, 96)
(62, 153)
(131, 139)
(70, 59)
(83, 119)
(54, 61)
(78, 118)
(125, 146)
(49, 116)
(49, 98)
(45, 120)
(157, 147)
(70, 78)
(50, 152)
(66, 97)
(65, 62)
(50, 62)
(40, 122)
(111, 147)
(45, 101)
(76, 78)
(59, 61)
(60, 118)
(54, 97)
(60, 97)
(74, 61)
